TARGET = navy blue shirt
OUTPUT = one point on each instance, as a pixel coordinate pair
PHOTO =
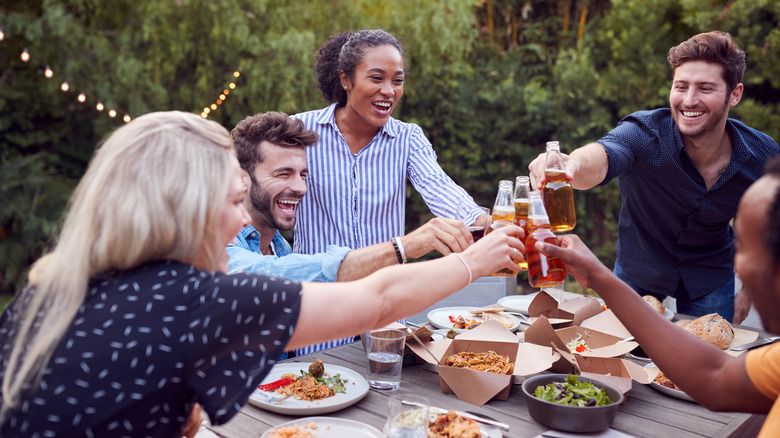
(672, 230)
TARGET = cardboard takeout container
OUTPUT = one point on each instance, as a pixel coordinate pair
(479, 387)
(569, 312)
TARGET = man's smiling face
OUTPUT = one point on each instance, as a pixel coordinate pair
(278, 184)
(699, 98)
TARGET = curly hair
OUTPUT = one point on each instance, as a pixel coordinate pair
(343, 52)
(716, 47)
(274, 127)
(773, 214)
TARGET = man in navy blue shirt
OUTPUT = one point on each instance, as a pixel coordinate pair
(681, 172)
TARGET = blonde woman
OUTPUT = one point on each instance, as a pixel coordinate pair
(130, 320)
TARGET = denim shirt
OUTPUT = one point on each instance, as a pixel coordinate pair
(245, 256)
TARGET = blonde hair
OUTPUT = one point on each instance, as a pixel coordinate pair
(153, 191)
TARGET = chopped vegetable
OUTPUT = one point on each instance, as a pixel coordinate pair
(277, 384)
(573, 392)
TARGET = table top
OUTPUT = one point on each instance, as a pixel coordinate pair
(646, 412)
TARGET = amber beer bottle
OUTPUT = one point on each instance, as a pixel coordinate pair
(557, 193)
(522, 189)
(543, 271)
(503, 214)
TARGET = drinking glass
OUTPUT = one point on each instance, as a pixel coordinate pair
(407, 418)
(480, 225)
(385, 350)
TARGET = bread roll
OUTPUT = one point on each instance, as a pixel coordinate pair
(713, 328)
(653, 301)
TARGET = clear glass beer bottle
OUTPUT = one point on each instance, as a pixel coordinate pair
(543, 271)
(503, 214)
(522, 189)
(557, 192)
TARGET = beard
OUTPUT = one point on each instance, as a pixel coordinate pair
(715, 118)
(263, 206)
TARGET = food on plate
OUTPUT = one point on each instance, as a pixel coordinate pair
(713, 328)
(573, 392)
(489, 361)
(451, 334)
(662, 380)
(577, 345)
(502, 319)
(486, 310)
(452, 425)
(306, 386)
(295, 431)
(317, 368)
(460, 322)
(655, 303)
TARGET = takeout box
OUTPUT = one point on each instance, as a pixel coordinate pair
(604, 361)
(569, 312)
(479, 387)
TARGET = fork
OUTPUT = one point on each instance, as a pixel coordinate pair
(270, 397)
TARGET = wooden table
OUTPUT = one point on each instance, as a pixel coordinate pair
(646, 412)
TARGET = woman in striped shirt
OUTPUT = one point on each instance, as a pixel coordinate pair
(357, 173)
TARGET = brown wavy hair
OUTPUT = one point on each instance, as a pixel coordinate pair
(716, 47)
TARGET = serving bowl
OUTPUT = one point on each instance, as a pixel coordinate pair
(571, 418)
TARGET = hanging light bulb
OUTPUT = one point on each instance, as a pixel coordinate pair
(204, 115)
(99, 106)
(112, 113)
(221, 97)
(126, 118)
(48, 73)
(82, 97)
(2, 34)
(225, 92)
(232, 86)
(207, 110)
(219, 102)
(213, 106)
(65, 86)
(236, 74)
(25, 55)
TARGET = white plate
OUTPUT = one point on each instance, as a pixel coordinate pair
(517, 303)
(669, 391)
(485, 430)
(440, 318)
(356, 388)
(332, 427)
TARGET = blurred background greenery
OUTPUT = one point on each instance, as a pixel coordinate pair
(489, 81)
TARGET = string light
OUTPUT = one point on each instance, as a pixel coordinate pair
(112, 113)
(207, 110)
(65, 86)
(213, 106)
(2, 34)
(232, 86)
(82, 97)
(99, 106)
(25, 55)
(204, 115)
(126, 118)
(48, 73)
(236, 73)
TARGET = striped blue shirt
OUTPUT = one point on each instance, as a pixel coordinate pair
(357, 201)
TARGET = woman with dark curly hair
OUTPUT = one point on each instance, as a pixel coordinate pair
(357, 174)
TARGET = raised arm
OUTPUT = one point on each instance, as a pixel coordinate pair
(714, 378)
(335, 310)
(585, 167)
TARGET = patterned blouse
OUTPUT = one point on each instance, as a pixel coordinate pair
(149, 343)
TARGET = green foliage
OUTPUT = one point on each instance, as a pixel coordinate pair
(489, 82)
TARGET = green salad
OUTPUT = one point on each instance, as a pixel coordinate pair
(573, 392)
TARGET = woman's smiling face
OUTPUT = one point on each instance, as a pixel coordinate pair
(377, 86)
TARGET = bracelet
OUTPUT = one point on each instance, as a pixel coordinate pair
(401, 248)
(394, 241)
(464, 264)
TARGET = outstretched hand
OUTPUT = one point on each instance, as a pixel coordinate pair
(441, 234)
(580, 262)
(502, 248)
(536, 169)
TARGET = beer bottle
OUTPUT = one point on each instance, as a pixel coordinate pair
(522, 189)
(543, 271)
(503, 214)
(557, 193)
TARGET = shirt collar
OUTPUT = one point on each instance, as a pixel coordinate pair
(328, 117)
